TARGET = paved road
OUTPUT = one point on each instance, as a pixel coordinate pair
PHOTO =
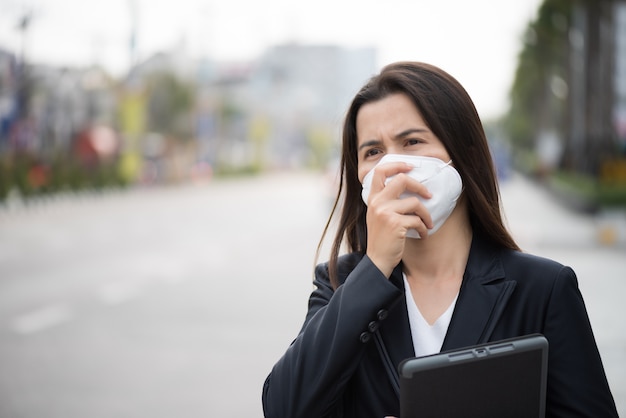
(177, 301)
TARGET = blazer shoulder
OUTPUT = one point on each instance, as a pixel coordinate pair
(529, 259)
(530, 267)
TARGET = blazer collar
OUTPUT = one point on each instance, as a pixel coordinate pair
(484, 294)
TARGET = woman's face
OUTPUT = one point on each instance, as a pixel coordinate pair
(393, 125)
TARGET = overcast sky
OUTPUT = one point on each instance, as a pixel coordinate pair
(476, 41)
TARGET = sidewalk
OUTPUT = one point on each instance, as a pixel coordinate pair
(544, 226)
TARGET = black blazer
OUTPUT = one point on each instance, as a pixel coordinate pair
(334, 369)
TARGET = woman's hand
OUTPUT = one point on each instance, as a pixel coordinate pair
(389, 217)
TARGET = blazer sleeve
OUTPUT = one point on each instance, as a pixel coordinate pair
(577, 384)
(310, 377)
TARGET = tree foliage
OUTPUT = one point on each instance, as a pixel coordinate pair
(542, 60)
(170, 102)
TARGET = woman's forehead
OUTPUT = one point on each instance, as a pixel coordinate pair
(391, 115)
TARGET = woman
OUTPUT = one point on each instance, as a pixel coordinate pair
(430, 266)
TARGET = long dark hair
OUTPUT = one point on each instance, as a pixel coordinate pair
(450, 114)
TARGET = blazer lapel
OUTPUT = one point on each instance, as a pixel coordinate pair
(482, 298)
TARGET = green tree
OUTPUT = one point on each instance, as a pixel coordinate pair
(536, 103)
(170, 103)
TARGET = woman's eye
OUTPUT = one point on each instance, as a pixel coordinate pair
(413, 141)
(372, 152)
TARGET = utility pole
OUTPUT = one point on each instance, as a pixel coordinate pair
(23, 93)
(132, 41)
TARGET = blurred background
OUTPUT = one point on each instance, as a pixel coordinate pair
(167, 168)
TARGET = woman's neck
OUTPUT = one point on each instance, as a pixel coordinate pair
(440, 257)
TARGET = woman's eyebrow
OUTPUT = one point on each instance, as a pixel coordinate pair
(407, 132)
(411, 131)
(370, 143)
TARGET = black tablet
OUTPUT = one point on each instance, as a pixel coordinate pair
(499, 379)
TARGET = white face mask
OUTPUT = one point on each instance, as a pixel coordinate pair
(441, 179)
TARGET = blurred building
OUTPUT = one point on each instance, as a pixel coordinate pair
(8, 95)
(281, 110)
(59, 103)
(174, 116)
(304, 91)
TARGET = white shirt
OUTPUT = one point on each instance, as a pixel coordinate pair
(427, 339)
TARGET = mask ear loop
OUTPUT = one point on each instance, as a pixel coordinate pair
(439, 169)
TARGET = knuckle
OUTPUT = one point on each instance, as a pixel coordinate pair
(402, 177)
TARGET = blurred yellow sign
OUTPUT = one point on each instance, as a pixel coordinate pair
(613, 171)
(133, 114)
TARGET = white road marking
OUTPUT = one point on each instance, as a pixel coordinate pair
(42, 318)
(108, 294)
